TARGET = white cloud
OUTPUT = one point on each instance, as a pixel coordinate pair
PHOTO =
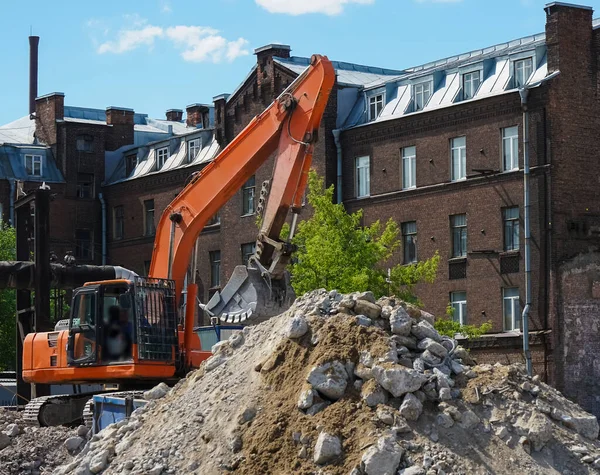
(165, 6)
(203, 43)
(300, 7)
(128, 40)
(198, 43)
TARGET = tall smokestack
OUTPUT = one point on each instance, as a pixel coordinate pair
(33, 71)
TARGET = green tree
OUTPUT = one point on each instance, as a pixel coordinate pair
(449, 327)
(8, 252)
(336, 252)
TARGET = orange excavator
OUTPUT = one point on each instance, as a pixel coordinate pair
(129, 331)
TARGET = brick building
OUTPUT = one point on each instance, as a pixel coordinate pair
(438, 147)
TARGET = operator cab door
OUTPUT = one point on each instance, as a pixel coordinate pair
(82, 345)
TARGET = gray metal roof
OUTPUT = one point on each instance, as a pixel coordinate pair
(147, 159)
(348, 74)
(18, 132)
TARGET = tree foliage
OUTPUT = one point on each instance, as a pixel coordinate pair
(449, 327)
(8, 252)
(336, 252)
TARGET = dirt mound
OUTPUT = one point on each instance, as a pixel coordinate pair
(347, 385)
(32, 450)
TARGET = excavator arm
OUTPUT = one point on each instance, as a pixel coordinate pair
(289, 128)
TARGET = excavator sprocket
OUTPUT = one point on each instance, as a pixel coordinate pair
(249, 295)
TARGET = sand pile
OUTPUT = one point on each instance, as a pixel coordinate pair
(344, 384)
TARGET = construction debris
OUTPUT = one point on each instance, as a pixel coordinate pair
(25, 449)
(344, 384)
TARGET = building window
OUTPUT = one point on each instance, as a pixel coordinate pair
(83, 244)
(216, 219)
(248, 193)
(162, 155)
(375, 106)
(512, 309)
(409, 167)
(458, 153)
(193, 147)
(130, 164)
(510, 148)
(422, 93)
(511, 228)
(470, 84)
(523, 70)
(409, 241)
(149, 218)
(247, 251)
(458, 223)
(118, 222)
(215, 268)
(33, 165)
(363, 177)
(458, 301)
(85, 143)
(85, 185)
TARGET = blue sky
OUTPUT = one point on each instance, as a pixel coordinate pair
(153, 55)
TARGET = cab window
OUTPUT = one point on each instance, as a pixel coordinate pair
(84, 309)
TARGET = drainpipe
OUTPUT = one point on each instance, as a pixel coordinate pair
(338, 147)
(526, 205)
(103, 202)
(11, 182)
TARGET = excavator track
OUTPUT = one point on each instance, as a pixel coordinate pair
(56, 410)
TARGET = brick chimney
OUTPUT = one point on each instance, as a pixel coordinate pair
(120, 122)
(569, 39)
(175, 115)
(197, 116)
(48, 110)
(267, 84)
(220, 102)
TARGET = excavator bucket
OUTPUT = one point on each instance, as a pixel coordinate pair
(250, 296)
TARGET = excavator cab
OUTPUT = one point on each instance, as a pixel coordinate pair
(101, 324)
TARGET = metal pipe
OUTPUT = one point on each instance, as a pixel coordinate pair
(293, 227)
(11, 200)
(338, 147)
(526, 211)
(103, 203)
(171, 246)
(33, 71)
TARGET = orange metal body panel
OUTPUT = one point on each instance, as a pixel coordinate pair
(38, 368)
(222, 178)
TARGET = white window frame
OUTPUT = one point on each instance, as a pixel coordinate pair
(376, 100)
(469, 78)
(461, 154)
(512, 141)
(409, 167)
(35, 160)
(516, 64)
(358, 168)
(515, 306)
(424, 90)
(459, 305)
(510, 227)
(193, 147)
(162, 155)
(458, 231)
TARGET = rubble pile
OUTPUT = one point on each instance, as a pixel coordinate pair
(345, 384)
(25, 449)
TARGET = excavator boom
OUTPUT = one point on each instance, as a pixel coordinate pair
(288, 127)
